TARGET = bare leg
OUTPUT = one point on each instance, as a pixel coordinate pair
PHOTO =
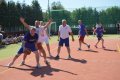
(80, 44)
(58, 51)
(41, 49)
(97, 43)
(48, 48)
(44, 54)
(14, 59)
(59, 48)
(85, 44)
(102, 43)
(37, 58)
(24, 58)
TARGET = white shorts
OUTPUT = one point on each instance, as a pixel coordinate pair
(45, 39)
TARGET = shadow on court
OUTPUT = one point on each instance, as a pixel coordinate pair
(44, 70)
(83, 61)
(110, 50)
(48, 71)
(72, 59)
(90, 50)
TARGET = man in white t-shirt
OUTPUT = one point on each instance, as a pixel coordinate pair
(44, 37)
(63, 37)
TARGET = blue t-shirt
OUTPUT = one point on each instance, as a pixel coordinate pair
(99, 31)
(30, 40)
(82, 31)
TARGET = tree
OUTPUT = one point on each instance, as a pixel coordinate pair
(3, 14)
(56, 6)
(58, 13)
(37, 11)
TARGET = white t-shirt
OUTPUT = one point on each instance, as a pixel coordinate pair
(64, 31)
(42, 34)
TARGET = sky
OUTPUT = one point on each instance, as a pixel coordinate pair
(72, 4)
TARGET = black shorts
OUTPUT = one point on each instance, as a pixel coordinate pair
(99, 37)
(64, 41)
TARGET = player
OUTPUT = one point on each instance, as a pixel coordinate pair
(44, 37)
(99, 33)
(63, 38)
(30, 42)
(82, 33)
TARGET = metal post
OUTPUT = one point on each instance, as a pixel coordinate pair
(48, 10)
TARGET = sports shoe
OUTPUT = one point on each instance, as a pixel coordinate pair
(88, 46)
(22, 63)
(103, 47)
(57, 57)
(79, 49)
(10, 64)
(96, 46)
(38, 66)
(69, 57)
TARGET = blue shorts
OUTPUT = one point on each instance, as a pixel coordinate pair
(20, 51)
(99, 37)
(62, 41)
(29, 46)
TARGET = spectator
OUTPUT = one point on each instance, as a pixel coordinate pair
(1, 38)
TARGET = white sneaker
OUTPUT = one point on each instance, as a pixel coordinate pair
(38, 66)
(69, 57)
(22, 63)
(10, 64)
(50, 55)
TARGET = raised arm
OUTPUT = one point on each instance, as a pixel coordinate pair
(48, 23)
(24, 23)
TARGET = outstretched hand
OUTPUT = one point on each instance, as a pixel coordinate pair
(22, 19)
(50, 20)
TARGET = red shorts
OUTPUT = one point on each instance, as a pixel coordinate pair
(81, 38)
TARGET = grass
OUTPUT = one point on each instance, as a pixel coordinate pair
(10, 50)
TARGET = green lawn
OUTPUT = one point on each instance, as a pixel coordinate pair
(10, 50)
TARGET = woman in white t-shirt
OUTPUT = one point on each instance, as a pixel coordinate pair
(44, 37)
